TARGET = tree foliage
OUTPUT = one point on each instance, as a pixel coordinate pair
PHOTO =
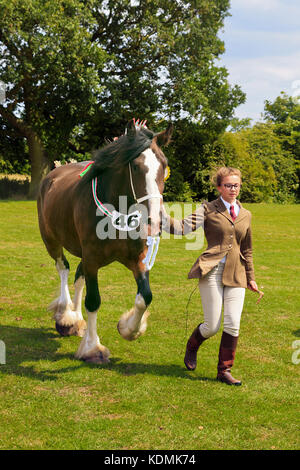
(161, 57)
(49, 65)
(77, 70)
(269, 171)
(284, 113)
(266, 153)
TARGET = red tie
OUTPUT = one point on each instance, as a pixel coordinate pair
(232, 213)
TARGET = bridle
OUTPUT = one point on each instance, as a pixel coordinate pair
(144, 198)
(104, 209)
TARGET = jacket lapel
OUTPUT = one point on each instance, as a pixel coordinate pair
(222, 209)
(242, 213)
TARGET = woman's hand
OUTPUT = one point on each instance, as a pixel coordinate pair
(253, 286)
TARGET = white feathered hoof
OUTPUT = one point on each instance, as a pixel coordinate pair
(78, 329)
(58, 308)
(131, 329)
(99, 358)
(99, 354)
(67, 321)
(63, 312)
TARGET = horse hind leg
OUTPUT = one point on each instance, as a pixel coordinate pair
(133, 323)
(67, 321)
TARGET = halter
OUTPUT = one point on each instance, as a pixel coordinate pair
(152, 242)
(144, 198)
(101, 206)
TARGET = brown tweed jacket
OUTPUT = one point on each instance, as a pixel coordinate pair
(224, 237)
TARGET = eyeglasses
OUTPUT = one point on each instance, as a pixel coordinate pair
(230, 186)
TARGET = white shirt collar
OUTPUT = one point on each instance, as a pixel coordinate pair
(234, 204)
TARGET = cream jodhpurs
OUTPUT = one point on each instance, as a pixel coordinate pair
(214, 295)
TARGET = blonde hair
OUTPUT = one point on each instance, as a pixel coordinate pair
(222, 172)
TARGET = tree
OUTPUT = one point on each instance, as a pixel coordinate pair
(50, 67)
(14, 157)
(77, 70)
(284, 113)
(269, 171)
(163, 65)
(162, 61)
(237, 124)
(234, 149)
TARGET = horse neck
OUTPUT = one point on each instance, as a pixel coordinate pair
(113, 184)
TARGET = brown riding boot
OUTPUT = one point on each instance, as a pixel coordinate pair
(195, 340)
(226, 358)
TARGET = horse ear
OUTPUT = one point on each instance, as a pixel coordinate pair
(164, 137)
(130, 128)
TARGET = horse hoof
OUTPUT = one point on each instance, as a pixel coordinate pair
(98, 359)
(80, 328)
(77, 329)
(63, 330)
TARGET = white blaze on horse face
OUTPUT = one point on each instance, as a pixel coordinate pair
(152, 163)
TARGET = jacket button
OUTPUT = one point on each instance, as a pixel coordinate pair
(230, 246)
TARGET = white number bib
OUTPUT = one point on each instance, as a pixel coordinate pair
(125, 222)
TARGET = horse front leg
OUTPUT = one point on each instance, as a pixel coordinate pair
(133, 324)
(79, 283)
(90, 348)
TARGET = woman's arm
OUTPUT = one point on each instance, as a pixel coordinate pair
(247, 252)
(182, 227)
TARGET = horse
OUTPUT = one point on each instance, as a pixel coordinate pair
(73, 199)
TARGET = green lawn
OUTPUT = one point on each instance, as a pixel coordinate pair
(145, 398)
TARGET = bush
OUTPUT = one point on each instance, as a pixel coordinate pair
(14, 187)
(269, 172)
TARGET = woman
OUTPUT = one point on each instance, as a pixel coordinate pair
(224, 269)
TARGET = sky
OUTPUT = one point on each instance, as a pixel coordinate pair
(262, 42)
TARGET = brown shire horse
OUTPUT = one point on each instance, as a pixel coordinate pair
(132, 166)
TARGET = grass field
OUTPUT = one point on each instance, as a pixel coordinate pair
(145, 398)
